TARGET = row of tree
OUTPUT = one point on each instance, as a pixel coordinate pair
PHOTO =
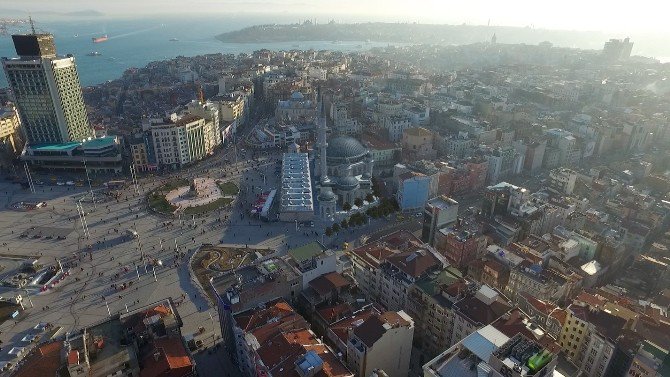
(385, 207)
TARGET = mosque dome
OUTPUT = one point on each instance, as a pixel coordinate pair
(345, 147)
(297, 96)
(326, 195)
(347, 183)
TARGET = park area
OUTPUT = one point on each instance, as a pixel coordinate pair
(199, 196)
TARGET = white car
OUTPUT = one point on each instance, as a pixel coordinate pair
(60, 183)
(41, 204)
(70, 183)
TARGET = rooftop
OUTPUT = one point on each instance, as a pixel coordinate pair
(257, 283)
(454, 361)
(307, 251)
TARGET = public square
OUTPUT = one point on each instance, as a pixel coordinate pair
(111, 272)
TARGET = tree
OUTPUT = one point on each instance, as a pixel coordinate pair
(369, 198)
(358, 202)
(346, 206)
(329, 231)
(336, 227)
(344, 224)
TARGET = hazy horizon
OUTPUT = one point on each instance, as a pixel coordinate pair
(647, 16)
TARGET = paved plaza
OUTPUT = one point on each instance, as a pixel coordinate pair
(109, 259)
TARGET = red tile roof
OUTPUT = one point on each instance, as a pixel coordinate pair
(167, 354)
(334, 313)
(43, 361)
(341, 328)
(281, 352)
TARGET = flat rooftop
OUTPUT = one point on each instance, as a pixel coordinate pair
(296, 184)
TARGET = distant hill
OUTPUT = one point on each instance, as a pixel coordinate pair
(8, 12)
(411, 33)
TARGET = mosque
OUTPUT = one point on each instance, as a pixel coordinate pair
(344, 171)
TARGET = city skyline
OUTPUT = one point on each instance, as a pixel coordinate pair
(564, 15)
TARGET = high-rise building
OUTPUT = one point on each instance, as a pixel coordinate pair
(46, 91)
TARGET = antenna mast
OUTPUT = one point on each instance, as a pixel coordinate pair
(32, 24)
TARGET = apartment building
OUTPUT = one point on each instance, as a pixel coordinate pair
(382, 341)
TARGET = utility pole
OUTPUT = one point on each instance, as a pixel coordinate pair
(213, 328)
(90, 188)
(82, 217)
(133, 174)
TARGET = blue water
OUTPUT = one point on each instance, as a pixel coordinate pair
(136, 42)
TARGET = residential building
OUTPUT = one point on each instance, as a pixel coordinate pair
(461, 243)
(490, 352)
(588, 338)
(617, 49)
(383, 342)
(273, 340)
(430, 303)
(477, 311)
(413, 190)
(386, 268)
(384, 153)
(458, 146)
(247, 287)
(296, 108)
(563, 180)
(418, 144)
(395, 125)
(311, 261)
(437, 214)
(538, 281)
(145, 342)
(214, 134)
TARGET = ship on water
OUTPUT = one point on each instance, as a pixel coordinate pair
(100, 39)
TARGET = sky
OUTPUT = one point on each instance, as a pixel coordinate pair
(591, 15)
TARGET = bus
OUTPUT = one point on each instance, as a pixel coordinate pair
(113, 185)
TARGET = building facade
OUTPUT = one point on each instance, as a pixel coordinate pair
(46, 91)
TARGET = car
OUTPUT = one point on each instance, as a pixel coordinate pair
(60, 183)
(70, 183)
(41, 204)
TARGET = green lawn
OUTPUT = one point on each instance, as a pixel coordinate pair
(156, 199)
(218, 203)
(228, 188)
(173, 184)
(158, 202)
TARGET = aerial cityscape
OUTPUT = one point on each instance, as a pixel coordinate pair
(331, 197)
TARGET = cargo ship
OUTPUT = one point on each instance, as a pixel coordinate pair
(99, 39)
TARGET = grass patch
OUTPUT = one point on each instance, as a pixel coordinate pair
(228, 188)
(202, 274)
(156, 199)
(158, 203)
(173, 184)
(218, 203)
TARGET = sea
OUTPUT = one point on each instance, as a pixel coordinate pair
(136, 42)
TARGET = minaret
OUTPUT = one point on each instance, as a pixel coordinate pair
(323, 143)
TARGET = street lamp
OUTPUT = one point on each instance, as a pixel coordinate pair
(90, 188)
